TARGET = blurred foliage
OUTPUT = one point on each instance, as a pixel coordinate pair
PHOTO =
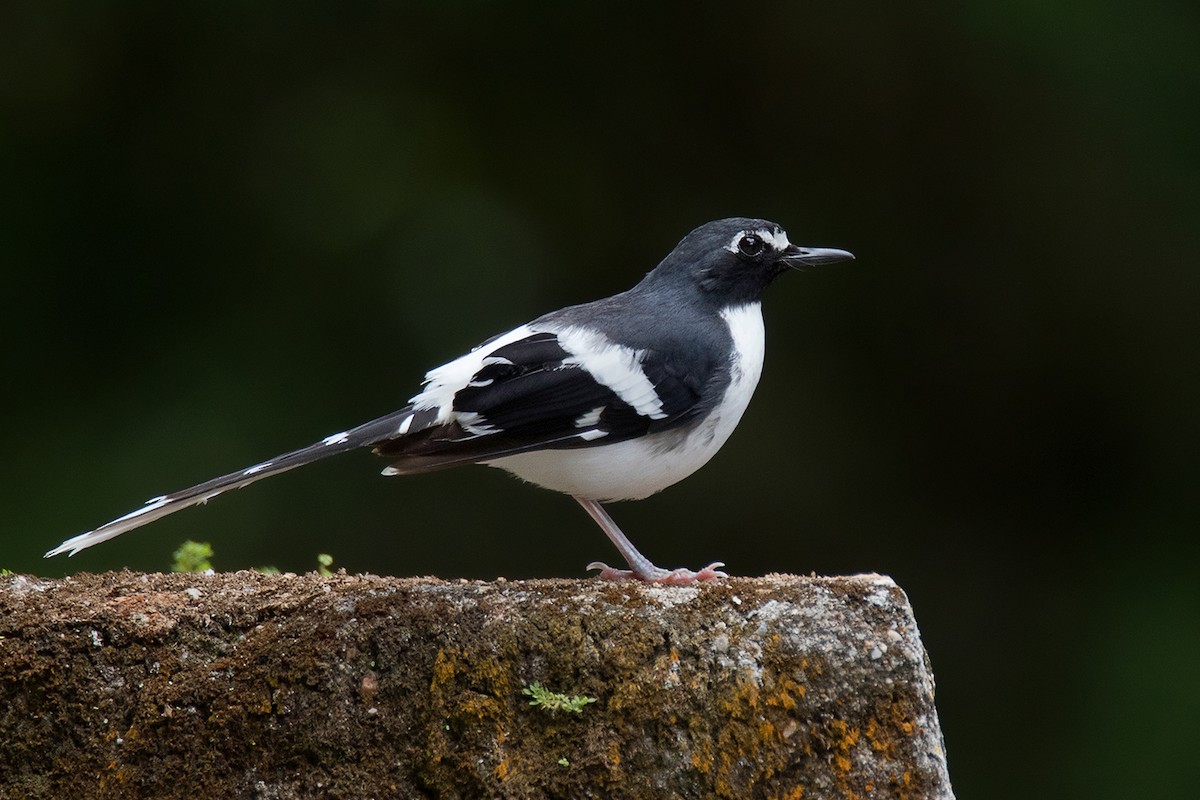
(229, 229)
(192, 557)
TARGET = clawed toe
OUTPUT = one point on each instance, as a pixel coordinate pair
(711, 572)
(682, 577)
(608, 573)
(672, 577)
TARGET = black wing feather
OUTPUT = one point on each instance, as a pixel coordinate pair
(531, 396)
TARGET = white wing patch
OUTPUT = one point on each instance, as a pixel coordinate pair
(611, 365)
(616, 367)
(473, 422)
(487, 362)
(590, 418)
(442, 383)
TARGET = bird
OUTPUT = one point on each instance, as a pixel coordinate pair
(614, 399)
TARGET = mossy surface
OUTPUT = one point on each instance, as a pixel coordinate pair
(280, 686)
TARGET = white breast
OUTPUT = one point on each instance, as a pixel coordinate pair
(638, 468)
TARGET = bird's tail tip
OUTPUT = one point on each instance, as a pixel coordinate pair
(70, 546)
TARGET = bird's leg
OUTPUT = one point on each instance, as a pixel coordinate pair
(640, 567)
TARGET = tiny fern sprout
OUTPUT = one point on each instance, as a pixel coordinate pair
(555, 702)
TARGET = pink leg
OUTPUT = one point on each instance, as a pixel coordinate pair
(640, 567)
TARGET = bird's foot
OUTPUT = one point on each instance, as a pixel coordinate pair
(674, 577)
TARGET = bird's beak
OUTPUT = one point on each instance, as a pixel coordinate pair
(799, 257)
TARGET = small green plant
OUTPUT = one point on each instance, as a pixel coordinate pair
(192, 557)
(6, 572)
(555, 702)
(562, 762)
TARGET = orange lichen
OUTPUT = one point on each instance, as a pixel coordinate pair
(614, 753)
(477, 706)
(795, 793)
(785, 694)
(848, 735)
(702, 760)
(443, 669)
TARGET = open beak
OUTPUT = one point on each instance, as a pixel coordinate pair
(800, 257)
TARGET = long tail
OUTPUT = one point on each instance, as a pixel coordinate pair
(364, 435)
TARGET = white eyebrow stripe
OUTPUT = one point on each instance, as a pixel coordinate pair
(614, 366)
(776, 238)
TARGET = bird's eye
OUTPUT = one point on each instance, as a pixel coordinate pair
(750, 245)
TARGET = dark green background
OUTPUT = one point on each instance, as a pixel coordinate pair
(228, 230)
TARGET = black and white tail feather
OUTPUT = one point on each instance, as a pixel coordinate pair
(159, 507)
(611, 400)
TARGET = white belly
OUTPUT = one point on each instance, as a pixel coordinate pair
(638, 468)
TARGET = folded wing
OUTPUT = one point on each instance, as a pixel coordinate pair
(538, 389)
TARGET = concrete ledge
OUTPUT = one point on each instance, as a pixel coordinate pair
(126, 685)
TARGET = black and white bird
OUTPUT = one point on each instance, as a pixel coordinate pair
(610, 400)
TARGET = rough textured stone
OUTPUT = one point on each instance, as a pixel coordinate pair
(355, 686)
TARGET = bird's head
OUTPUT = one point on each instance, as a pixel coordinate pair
(733, 260)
